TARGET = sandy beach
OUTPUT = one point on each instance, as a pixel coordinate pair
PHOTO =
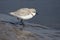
(9, 31)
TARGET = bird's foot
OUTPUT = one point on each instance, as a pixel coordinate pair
(21, 24)
(18, 23)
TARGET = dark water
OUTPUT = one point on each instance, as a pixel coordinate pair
(48, 10)
(49, 15)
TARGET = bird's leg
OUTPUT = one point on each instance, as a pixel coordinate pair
(22, 23)
(18, 21)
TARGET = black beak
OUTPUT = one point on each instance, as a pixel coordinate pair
(37, 14)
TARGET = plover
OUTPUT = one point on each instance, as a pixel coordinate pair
(24, 14)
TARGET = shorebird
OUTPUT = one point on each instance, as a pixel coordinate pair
(24, 14)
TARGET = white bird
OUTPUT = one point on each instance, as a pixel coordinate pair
(24, 14)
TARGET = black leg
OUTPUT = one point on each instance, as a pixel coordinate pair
(18, 21)
(22, 23)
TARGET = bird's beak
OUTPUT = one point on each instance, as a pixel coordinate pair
(37, 14)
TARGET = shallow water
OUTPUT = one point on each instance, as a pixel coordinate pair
(41, 32)
(48, 15)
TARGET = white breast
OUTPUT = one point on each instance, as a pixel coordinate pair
(25, 17)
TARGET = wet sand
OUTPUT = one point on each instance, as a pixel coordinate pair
(9, 31)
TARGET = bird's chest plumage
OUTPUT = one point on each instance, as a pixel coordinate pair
(26, 17)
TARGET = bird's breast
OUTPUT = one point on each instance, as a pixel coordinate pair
(25, 17)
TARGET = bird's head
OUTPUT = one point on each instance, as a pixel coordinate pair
(33, 11)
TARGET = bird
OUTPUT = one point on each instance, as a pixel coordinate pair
(24, 14)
